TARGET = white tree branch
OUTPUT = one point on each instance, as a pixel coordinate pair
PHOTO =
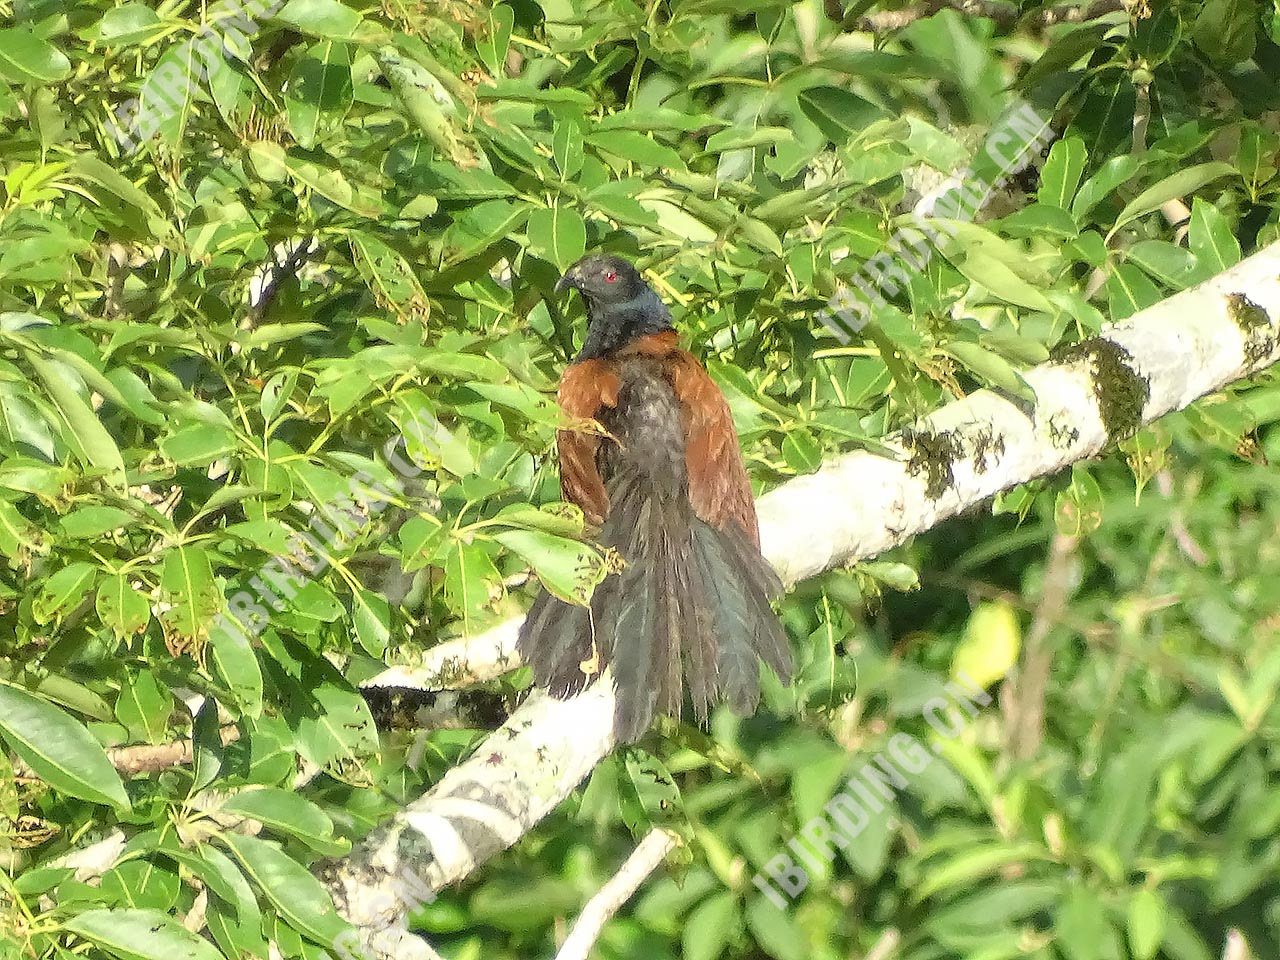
(855, 507)
(644, 859)
(458, 663)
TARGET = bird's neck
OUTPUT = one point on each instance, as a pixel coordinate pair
(613, 325)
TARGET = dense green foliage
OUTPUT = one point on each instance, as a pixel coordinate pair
(161, 436)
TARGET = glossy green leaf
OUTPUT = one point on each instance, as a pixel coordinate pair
(186, 583)
(140, 935)
(27, 58)
(57, 748)
(320, 18)
(285, 812)
(1174, 186)
(319, 91)
(1211, 239)
(294, 892)
(557, 234)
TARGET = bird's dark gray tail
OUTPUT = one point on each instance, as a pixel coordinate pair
(691, 602)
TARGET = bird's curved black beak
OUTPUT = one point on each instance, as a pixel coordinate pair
(568, 282)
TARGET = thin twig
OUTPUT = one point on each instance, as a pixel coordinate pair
(1187, 544)
(885, 946)
(148, 757)
(1235, 948)
(1024, 695)
(610, 898)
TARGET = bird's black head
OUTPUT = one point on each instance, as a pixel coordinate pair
(621, 307)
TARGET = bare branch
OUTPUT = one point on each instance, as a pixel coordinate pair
(609, 899)
(1023, 696)
(458, 663)
(1005, 14)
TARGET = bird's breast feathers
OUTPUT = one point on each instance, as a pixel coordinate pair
(592, 390)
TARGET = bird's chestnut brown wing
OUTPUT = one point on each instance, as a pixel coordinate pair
(718, 485)
(585, 388)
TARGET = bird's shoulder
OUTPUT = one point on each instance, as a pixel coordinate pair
(590, 385)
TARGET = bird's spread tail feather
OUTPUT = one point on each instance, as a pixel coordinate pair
(691, 602)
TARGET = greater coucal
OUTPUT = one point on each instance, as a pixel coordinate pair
(666, 485)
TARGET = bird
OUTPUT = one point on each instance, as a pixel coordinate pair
(659, 474)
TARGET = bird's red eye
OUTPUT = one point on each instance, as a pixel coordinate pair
(611, 276)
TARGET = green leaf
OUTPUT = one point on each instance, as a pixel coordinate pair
(839, 114)
(1129, 290)
(293, 891)
(26, 58)
(1041, 220)
(1062, 171)
(707, 929)
(660, 118)
(235, 919)
(568, 568)
(1066, 49)
(144, 707)
(332, 722)
(1211, 238)
(557, 234)
(991, 367)
(741, 138)
(962, 868)
(1156, 36)
(22, 423)
(561, 519)
(233, 661)
(1082, 930)
(471, 582)
(428, 441)
(60, 593)
(1226, 30)
(566, 147)
(1000, 280)
(198, 444)
(989, 647)
(328, 19)
(420, 540)
(92, 522)
(122, 607)
(429, 106)
(1097, 188)
(372, 617)
(1168, 263)
(328, 182)
(82, 430)
(140, 935)
(492, 47)
(93, 169)
(1175, 185)
(59, 749)
(286, 812)
(1147, 910)
(186, 583)
(1078, 509)
(17, 535)
(801, 451)
(389, 276)
(319, 91)
(635, 147)
(132, 23)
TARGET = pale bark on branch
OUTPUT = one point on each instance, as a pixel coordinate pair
(1005, 14)
(609, 899)
(854, 507)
